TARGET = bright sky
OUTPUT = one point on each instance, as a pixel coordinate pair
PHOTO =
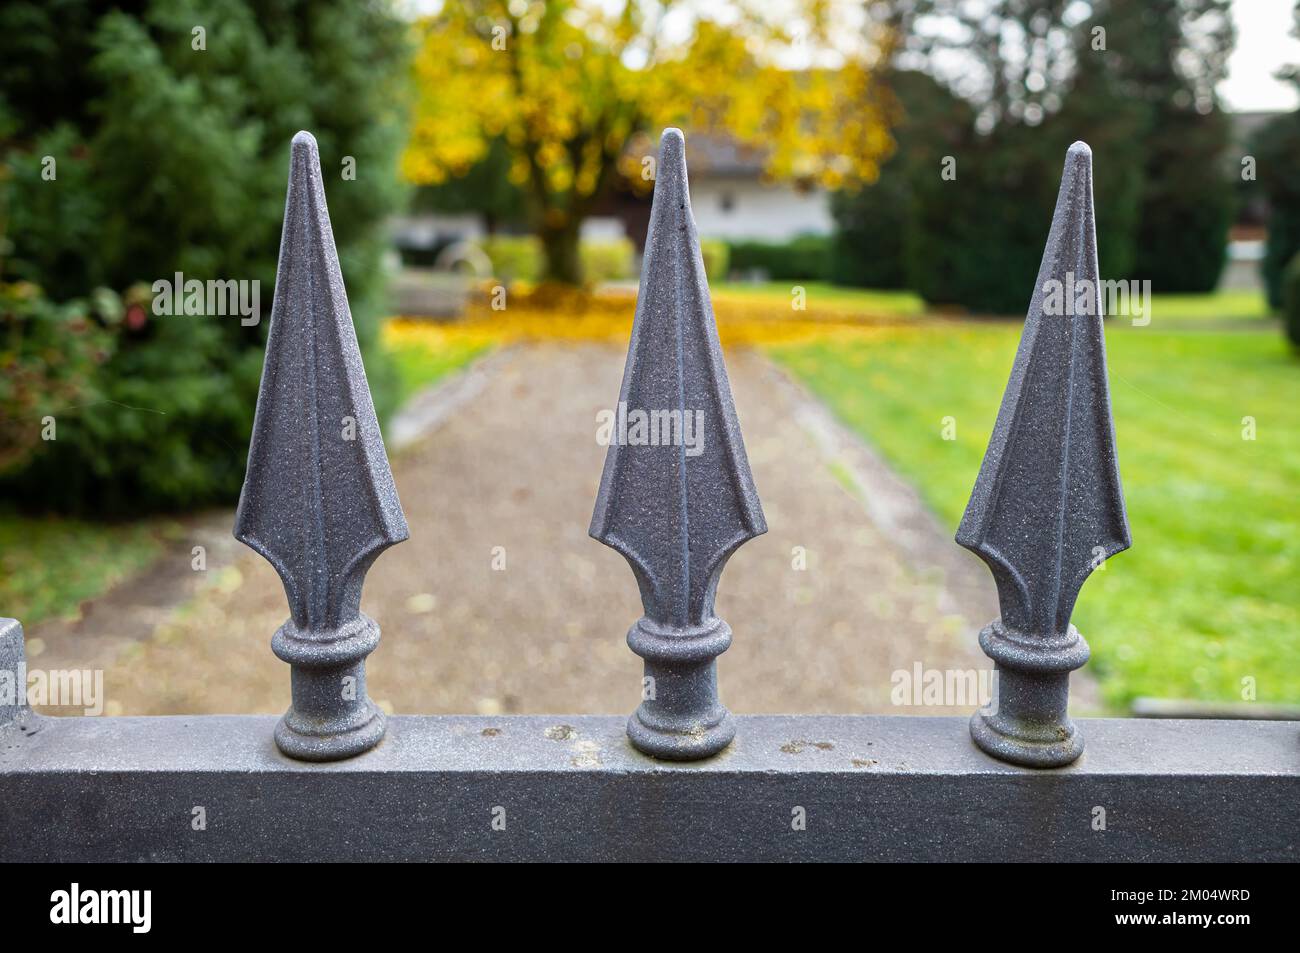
(1264, 44)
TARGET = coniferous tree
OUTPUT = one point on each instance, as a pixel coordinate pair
(1134, 79)
(1172, 55)
(1275, 148)
(169, 124)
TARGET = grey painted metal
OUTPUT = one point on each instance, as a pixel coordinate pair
(1048, 507)
(13, 675)
(318, 499)
(677, 509)
(1194, 708)
(573, 788)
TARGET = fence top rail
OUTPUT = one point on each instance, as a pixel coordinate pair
(319, 503)
(805, 787)
(858, 745)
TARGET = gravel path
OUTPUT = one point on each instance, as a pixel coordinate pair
(515, 465)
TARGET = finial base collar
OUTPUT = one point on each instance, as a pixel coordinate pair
(1028, 721)
(670, 741)
(332, 739)
(332, 717)
(1026, 743)
(681, 717)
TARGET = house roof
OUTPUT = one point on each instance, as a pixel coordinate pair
(710, 155)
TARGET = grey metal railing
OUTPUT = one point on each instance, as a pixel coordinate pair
(677, 516)
(320, 505)
(1047, 508)
(676, 499)
(318, 499)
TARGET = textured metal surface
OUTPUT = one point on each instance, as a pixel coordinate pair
(318, 499)
(677, 511)
(573, 788)
(1047, 506)
(13, 674)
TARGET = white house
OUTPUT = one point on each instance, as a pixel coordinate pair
(729, 195)
(732, 200)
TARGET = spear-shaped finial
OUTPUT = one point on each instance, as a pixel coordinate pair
(318, 499)
(676, 498)
(1047, 508)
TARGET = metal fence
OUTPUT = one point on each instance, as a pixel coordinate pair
(676, 499)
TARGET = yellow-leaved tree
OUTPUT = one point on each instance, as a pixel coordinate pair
(571, 88)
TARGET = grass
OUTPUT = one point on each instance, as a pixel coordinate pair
(49, 565)
(424, 353)
(822, 295)
(1233, 305)
(1224, 306)
(1209, 596)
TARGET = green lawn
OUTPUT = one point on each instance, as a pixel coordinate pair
(421, 363)
(48, 565)
(823, 295)
(1220, 306)
(1226, 306)
(1210, 593)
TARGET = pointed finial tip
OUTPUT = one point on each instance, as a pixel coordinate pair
(304, 143)
(672, 158)
(1080, 151)
(672, 143)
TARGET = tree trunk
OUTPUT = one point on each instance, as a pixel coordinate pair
(560, 244)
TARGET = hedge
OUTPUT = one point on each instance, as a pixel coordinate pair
(519, 258)
(805, 258)
(1291, 300)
